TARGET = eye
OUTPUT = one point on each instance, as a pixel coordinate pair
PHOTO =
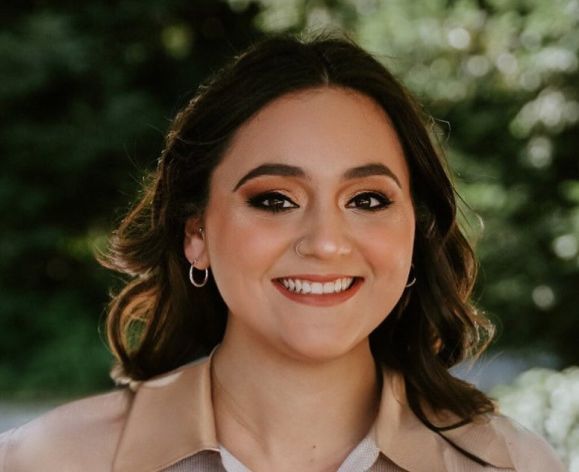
(372, 201)
(274, 202)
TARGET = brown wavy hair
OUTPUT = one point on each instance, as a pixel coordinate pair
(159, 321)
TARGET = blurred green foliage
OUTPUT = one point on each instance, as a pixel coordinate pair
(86, 93)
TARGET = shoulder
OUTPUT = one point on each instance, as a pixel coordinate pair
(74, 436)
(528, 450)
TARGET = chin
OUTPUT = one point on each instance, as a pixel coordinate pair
(315, 349)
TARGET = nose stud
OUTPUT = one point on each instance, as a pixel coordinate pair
(297, 248)
(342, 251)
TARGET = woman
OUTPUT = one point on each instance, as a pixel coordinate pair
(299, 290)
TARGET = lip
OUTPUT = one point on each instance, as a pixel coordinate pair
(328, 299)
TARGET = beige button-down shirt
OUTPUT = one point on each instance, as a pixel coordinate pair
(168, 425)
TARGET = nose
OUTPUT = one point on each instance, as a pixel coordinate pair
(325, 237)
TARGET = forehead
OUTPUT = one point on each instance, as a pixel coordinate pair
(323, 130)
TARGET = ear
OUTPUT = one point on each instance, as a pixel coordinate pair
(194, 244)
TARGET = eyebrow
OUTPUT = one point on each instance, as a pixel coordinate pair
(286, 170)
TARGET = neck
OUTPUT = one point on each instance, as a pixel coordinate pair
(277, 413)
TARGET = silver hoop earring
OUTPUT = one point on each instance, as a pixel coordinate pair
(192, 268)
(413, 278)
(192, 277)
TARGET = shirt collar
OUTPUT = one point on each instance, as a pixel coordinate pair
(172, 418)
(406, 441)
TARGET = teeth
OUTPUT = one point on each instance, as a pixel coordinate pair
(317, 288)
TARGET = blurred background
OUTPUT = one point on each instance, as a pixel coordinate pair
(87, 91)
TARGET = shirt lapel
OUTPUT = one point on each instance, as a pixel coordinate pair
(171, 418)
(405, 440)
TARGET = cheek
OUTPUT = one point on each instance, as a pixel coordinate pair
(390, 256)
(389, 245)
(240, 245)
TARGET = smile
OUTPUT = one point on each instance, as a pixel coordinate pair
(319, 291)
(317, 288)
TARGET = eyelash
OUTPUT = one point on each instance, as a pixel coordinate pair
(257, 201)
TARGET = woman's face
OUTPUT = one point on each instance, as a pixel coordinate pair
(322, 169)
